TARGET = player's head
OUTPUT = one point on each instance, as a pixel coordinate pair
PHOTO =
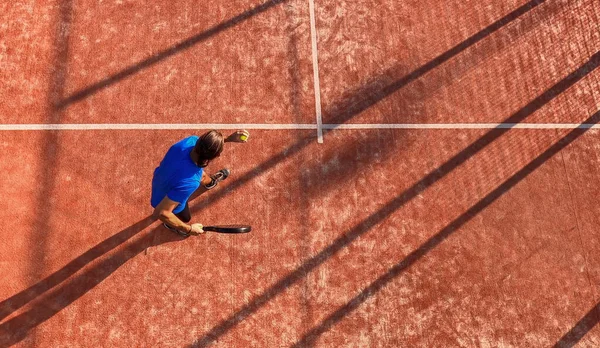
(209, 147)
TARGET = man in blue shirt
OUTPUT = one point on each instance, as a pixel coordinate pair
(181, 172)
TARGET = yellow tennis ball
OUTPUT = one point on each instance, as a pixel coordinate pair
(243, 137)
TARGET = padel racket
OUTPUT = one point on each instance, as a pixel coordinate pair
(228, 228)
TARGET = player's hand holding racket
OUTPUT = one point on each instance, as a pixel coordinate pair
(197, 229)
(240, 136)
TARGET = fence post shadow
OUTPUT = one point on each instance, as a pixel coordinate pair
(190, 42)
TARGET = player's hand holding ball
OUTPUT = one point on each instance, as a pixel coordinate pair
(197, 229)
(240, 136)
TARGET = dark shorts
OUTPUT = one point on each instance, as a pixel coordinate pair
(185, 214)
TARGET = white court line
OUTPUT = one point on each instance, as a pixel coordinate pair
(315, 62)
(291, 126)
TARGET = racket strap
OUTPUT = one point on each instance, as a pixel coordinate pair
(181, 233)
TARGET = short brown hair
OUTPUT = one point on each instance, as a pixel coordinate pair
(209, 146)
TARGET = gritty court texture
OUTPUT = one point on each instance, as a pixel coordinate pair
(419, 173)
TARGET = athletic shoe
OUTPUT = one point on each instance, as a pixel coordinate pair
(216, 177)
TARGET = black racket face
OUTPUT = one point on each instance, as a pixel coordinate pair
(228, 228)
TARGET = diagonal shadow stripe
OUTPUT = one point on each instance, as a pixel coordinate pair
(420, 186)
(160, 56)
(311, 336)
(583, 326)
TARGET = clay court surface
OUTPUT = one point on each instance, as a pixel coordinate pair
(452, 200)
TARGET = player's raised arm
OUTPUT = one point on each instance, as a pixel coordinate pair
(239, 136)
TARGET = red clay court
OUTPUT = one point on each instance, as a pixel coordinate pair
(419, 173)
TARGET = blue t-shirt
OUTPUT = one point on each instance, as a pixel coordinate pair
(177, 176)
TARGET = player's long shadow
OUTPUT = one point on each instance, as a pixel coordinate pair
(420, 186)
(583, 326)
(17, 301)
(369, 96)
(311, 336)
(16, 329)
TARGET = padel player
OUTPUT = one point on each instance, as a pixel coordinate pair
(181, 172)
